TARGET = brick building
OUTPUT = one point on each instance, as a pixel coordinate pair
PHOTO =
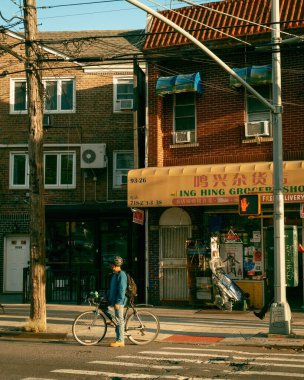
(88, 150)
(210, 140)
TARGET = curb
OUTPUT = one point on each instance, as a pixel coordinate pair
(279, 341)
(32, 335)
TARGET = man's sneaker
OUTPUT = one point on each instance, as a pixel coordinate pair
(259, 315)
(117, 344)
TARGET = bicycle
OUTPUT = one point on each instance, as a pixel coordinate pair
(90, 327)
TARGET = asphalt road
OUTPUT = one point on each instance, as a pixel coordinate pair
(51, 360)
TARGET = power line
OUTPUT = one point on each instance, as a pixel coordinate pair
(75, 4)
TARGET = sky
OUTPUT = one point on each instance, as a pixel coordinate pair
(87, 14)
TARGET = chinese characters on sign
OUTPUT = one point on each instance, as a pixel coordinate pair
(203, 185)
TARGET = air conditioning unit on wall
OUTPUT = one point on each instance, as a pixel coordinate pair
(93, 156)
(122, 179)
(182, 137)
(126, 104)
(257, 128)
(48, 120)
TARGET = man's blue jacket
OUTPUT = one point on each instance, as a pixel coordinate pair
(117, 290)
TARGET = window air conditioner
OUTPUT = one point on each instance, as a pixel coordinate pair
(257, 128)
(126, 104)
(47, 120)
(182, 137)
(93, 156)
(122, 179)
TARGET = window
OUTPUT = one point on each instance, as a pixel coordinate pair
(184, 117)
(59, 95)
(123, 162)
(59, 170)
(123, 94)
(257, 111)
(19, 171)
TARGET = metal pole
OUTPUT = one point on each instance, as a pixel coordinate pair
(280, 315)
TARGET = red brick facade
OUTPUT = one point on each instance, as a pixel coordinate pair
(94, 198)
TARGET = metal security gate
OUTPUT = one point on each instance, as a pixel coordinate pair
(173, 263)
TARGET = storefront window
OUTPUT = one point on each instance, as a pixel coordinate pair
(57, 243)
(240, 244)
(70, 242)
(114, 242)
(82, 243)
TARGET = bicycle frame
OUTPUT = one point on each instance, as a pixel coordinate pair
(90, 327)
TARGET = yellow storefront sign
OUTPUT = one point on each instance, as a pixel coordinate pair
(211, 184)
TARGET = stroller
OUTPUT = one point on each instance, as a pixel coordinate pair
(227, 295)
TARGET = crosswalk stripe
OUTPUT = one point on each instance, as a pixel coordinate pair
(259, 373)
(227, 351)
(125, 375)
(165, 353)
(109, 374)
(225, 359)
(185, 360)
(139, 365)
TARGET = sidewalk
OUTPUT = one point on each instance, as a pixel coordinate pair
(180, 325)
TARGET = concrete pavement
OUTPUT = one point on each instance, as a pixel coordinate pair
(180, 325)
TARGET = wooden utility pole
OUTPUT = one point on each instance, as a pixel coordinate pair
(35, 96)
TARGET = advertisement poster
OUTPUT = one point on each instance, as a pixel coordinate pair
(253, 263)
(232, 257)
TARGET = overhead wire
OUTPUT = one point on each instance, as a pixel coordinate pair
(75, 4)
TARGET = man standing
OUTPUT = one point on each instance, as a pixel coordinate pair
(117, 300)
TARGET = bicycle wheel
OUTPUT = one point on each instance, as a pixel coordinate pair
(89, 328)
(142, 327)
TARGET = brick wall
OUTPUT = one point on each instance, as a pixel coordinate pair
(221, 116)
(93, 122)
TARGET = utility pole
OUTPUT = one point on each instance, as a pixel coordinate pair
(35, 93)
(280, 316)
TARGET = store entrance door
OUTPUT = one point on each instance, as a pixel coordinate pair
(173, 260)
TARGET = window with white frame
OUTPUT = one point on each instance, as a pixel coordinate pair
(184, 118)
(123, 94)
(258, 115)
(60, 95)
(256, 110)
(59, 170)
(123, 161)
(19, 170)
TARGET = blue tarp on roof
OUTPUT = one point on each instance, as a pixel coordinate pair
(253, 75)
(179, 83)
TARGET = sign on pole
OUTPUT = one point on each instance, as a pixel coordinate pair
(138, 216)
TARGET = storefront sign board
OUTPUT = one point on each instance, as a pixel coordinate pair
(212, 184)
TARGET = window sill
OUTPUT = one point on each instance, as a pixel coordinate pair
(255, 140)
(186, 145)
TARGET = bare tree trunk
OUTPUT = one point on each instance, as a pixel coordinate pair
(35, 93)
